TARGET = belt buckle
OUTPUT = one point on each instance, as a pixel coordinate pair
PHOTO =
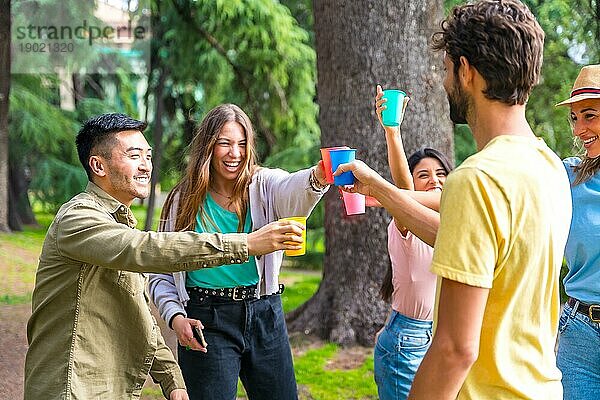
(235, 297)
(591, 312)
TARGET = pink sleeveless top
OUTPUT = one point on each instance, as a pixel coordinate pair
(414, 285)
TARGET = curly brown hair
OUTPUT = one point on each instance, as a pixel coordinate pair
(502, 40)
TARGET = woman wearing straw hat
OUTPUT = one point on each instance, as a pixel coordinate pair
(579, 329)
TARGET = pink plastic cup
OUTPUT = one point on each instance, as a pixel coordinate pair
(354, 203)
(327, 161)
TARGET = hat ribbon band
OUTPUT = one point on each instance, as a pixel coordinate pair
(585, 91)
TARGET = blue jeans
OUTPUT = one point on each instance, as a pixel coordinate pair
(399, 351)
(578, 355)
(246, 339)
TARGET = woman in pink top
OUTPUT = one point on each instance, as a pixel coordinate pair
(409, 285)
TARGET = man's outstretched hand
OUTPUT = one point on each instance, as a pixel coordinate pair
(278, 235)
(366, 180)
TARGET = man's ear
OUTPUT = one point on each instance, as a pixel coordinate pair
(465, 71)
(97, 165)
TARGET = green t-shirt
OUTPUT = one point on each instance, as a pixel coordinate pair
(227, 275)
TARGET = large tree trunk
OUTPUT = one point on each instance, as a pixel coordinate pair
(359, 45)
(4, 101)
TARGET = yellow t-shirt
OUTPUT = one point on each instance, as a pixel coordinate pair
(505, 215)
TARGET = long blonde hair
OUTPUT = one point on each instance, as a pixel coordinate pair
(193, 187)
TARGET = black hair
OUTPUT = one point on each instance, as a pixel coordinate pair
(97, 134)
(426, 152)
(387, 287)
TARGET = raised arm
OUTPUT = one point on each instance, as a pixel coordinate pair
(395, 147)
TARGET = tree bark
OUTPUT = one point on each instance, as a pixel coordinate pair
(360, 45)
(4, 103)
(597, 21)
(20, 211)
(157, 147)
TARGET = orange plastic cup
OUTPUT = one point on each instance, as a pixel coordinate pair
(327, 161)
(301, 251)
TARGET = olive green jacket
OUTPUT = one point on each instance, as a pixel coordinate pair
(91, 334)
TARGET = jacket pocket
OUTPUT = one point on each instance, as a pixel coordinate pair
(131, 282)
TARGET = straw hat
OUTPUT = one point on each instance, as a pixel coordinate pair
(586, 86)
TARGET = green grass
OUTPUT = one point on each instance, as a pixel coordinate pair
(304, 286)
(31, 238)
(152, 393)
(18, 257)
(12, 299)
(326, 384)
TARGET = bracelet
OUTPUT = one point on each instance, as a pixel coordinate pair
(314, 182)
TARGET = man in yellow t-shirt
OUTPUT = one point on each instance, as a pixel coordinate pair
(503, 221)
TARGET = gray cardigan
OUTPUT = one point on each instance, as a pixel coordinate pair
(273, 194)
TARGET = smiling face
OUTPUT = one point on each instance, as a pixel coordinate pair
(125, 175)
(229, 153)
(429, 175)
(585, 121)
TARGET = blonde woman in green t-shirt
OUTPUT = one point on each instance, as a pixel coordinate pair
(238, 304)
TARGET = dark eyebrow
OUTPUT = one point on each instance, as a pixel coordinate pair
(588, 109)
(137, 149)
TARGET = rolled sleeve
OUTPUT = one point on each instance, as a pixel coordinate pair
(235, 245)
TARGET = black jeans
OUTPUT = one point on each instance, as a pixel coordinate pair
(246, 339)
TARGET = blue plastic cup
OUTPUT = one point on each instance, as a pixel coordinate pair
(342, 156)
(392, 115)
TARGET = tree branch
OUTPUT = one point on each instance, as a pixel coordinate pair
(241, 75)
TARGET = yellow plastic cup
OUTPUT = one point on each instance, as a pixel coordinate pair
(301, 251)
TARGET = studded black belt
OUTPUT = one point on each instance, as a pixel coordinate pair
(238, 293)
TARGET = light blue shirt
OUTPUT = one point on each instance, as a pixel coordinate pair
(229, 275)
(583, 245)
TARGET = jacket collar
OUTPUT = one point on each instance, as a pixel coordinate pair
(121, 212)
